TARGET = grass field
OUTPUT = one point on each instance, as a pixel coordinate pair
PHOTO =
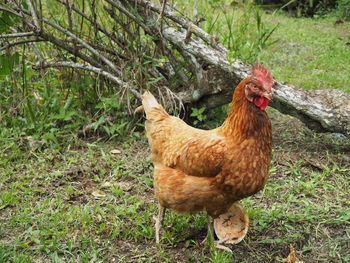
(94, 203)
(310, 53)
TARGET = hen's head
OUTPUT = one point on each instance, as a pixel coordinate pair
(258, 88)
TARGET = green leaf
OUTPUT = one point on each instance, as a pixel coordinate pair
(49, 137)
(7, 20)
(4, 65)
(68, 115)
(60, 115)
(99, 122)
(107, 130)
(7, 63)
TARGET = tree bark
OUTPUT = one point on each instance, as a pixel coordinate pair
(196, 62)
(321, 110)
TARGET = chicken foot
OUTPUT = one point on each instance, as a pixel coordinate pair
(210, 236)
(219, 246)
(159, 221)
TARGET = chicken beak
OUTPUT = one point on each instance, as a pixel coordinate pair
(267, 95)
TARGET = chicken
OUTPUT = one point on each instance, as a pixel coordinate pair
(208, 170)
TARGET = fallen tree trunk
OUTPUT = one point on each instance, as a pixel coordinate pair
(196, 62)
(321, 110)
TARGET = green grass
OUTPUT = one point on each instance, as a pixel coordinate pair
(78, 201)
(310, 53)
(88, 203)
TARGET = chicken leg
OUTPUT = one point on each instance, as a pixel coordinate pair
(159, 221)
(210, 231)
(210, 236)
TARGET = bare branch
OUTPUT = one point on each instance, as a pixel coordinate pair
(162, 10)
(121, 8)
(118, 20)
(184, 23)
(70, 16)
(34, 15)
(100, 28)
(83, 43)
(199, 50)
(13, 35)
(96, 70)
(37, 52)
(61, 44)
(58, 42)
(21, 14)
(8, 45)
(10, 11)
(107, 50)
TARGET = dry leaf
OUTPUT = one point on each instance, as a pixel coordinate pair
(106, 184)
(126, 186)
(115, 151)
(37, 97)
(98, 193)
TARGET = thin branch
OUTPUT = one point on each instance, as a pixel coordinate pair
(109, 51)
(8, 45)
(13, 35)
(121, 8)
(21, 15)
(61, 44)
(184, 23)
(58, 42)
(96, 70)
(37, 52)
(119, 21)
(100, 28)
(10, 11)
(203, 52)
(83, 43)
(70, 16)
(103, 49)
(162, 10)
(71, 24)
(34, 15)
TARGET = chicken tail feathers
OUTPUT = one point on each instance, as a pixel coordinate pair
(149, 101)
(152, 108)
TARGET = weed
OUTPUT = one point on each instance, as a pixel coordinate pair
(48, 212)
(310, 53)
(343, 9)
(243, 37)
(198, 115)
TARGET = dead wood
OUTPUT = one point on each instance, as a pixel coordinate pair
(196, 70)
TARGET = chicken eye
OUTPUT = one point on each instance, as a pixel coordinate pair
(251, 85)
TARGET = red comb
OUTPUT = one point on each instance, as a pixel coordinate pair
(261, 74)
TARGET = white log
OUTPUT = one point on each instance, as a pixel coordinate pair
(321, 110)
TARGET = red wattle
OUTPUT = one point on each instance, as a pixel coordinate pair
(261, 102)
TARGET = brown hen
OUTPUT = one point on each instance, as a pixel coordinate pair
(208, 170)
